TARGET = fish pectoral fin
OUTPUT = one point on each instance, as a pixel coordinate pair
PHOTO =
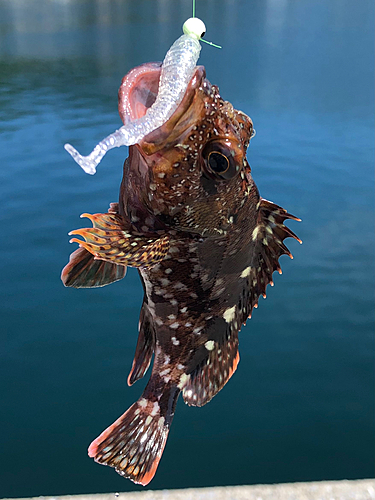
(268, 236)
(110, 240)
(210, 376)
(145, 346)
(134, 443)
(84, 271)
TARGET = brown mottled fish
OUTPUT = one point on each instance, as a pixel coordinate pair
(205, 243)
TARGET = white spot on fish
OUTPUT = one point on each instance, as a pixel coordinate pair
(175, 341)
(209, 345)
(168, 271)
(161, 422)
(155, 409)
(165, 372)
(229, 314)
(183, 379)
(174, 325)
(184, 309)
(142, 403)
(255, 233)
(246, 272)
(180, 286)
(148, 420)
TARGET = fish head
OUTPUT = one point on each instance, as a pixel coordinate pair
(190, 174)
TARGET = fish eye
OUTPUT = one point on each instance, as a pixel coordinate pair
(219, 160)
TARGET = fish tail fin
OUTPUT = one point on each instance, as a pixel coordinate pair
(134, 443)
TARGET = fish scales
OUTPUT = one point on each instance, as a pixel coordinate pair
(191, 219)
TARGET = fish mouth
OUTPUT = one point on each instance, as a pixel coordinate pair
(138, 92)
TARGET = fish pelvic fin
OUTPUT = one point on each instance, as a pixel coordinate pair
(110, 240)
(210, 376)
(145, 346)
(134, 443)
(84, 271)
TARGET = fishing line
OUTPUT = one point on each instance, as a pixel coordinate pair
(201, 39)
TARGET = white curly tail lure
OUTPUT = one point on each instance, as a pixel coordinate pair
(176, 73)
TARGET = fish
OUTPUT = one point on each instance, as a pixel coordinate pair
(191, 220)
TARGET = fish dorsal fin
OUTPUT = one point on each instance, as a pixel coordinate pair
(112, 240)
(216, 365)
(210, 376)
(268, 237)
(145, 345)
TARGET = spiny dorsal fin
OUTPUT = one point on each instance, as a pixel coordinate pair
(145, 345)
(110, 239)
(217, 363)
(268, 237)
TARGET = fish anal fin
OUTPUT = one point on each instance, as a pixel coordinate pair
(111, 240)
(145, 346)
(213, 373)
(134, 443)
(83, 271)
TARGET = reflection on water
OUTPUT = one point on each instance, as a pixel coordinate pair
(300, 406)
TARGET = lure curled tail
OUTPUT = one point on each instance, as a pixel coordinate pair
(176, 73)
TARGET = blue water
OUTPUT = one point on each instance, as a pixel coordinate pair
(301, 404)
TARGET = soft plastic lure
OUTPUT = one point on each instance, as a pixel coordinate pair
(176, 73)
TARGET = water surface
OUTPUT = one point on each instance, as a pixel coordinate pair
(300, 406)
